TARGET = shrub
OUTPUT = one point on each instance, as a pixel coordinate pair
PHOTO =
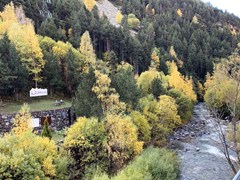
(133, 21)
(123, 143)
(28, 156)
(153, 163)
(185, 105)
(144, 129)
(146, 79)
(46, 130)
(86, 142)
(162, 116)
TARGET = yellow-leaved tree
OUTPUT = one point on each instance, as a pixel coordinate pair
(133, 21)
(86, 49)
(149, 9)
(155, 60)
(27, 44)
(179, 12)
(89, 4)
(122, 140)
(172, 52)
(119, 17)
(145, 80)
(162, 116)
(25, 40)
(177, 81)
(28, 156)
(86, 141)
(167, 112)
(7, 18)
(22, 121)
(195, 20)
(222, 98)
(108, 96)
(142, 124)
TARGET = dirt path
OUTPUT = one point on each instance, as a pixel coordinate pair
(199, 149)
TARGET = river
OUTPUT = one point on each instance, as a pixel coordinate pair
(198, 147)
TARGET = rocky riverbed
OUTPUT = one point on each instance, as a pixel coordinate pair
(199, 149)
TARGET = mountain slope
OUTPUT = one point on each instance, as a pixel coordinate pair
(197, 38)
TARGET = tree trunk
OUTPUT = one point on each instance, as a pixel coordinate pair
(108, 45)
(16, 95)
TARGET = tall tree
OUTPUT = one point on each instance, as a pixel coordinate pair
(177, 81)
(86, 49)
(13, 74)
(125, 84)
(85, 102)
(25, 40)
(107, 95)
(223, 91)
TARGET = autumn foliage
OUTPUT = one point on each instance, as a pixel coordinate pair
(121, 108)
(183, 84)
(24, 155)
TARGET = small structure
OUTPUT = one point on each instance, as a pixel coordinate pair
(35, 92)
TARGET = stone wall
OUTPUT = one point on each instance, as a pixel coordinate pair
(60, 119)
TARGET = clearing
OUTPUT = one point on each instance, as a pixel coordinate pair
(35, 105)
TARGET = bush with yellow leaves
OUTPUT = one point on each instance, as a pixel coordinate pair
(86, 141)
(123, 144)
(133, 21)
(28, 156)
(144, 129)
(24, 155)
(162, 115)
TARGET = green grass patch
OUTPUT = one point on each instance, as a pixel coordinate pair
(57, 137)
(35, 105)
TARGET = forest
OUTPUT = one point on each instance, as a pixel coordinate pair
(131, 86)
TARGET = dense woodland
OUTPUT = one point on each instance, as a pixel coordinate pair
(131, 86)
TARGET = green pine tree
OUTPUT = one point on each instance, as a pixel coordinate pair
(46, 132)
(157, 88)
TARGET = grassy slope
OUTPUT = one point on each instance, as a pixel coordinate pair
(35, 105)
